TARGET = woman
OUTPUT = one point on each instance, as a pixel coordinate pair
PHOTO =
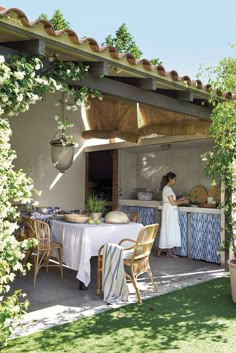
(170, 231)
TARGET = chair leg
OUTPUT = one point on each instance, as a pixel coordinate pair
(134, 282)
(36, 266)
(60, 261)
(149, 272)
(99, 271)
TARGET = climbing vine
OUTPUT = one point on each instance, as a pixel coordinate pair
(25, 81)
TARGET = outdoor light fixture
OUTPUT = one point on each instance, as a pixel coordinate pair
(62, 149)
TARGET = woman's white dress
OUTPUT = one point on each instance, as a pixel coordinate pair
(170, 235)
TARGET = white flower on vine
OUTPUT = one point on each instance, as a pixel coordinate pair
(34, 98)
(2, 59)
(37, 67)
(20, 98)
(19, 75)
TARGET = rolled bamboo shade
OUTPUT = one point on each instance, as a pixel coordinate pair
(164, 122)
(112, 117)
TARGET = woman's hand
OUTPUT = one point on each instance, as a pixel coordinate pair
(183, 201)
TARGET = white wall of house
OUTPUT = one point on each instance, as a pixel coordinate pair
(184, 159)
(32, 132)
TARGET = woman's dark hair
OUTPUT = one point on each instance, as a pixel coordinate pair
(166, 178)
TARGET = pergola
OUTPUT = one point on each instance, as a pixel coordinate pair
(169, 105)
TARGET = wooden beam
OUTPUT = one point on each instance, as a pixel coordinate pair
(186, 96)
(145, 83)
(33, 46)
(7, 51)
(97, 68)
(122, 90)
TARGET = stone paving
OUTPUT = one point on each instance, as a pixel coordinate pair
(55, 302)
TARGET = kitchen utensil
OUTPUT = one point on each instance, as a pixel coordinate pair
(144, 195)
(215, 192)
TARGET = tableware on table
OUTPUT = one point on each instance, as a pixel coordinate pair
(76, 218)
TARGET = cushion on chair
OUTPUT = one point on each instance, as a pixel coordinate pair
(116, 217)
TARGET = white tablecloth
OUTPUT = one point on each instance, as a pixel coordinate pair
(81, 241)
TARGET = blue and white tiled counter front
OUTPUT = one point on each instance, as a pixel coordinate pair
(183, 223)
(205, 235)
(146, 214)
(200, 227)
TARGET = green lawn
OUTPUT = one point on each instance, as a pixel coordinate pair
(198, 319)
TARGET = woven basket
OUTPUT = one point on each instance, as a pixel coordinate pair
(199, 194)
(75, 218)
(207, 205)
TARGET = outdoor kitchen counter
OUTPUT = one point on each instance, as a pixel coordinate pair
(158, 204)
(200, 227)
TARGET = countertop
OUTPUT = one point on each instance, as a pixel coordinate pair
(158, 204)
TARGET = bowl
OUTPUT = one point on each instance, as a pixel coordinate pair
(144, 195)
(75, 218)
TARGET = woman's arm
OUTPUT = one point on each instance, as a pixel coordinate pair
(181, 201)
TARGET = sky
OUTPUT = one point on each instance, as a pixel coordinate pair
(183, 34)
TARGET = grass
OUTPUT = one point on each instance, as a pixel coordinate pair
(197, 319)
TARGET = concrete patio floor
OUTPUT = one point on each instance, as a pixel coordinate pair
(56, 302)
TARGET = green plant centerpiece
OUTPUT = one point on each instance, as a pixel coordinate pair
(221, 161)
(96, 206)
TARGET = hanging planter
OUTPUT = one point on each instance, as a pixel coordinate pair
(62, 144)
(62, 154)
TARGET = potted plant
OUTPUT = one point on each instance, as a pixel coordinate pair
(95, 206)
(221, 162)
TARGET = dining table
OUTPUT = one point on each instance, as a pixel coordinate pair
(81, 241)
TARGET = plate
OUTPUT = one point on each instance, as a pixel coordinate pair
(199, 194)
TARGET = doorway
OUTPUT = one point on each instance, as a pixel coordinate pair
(102, 176)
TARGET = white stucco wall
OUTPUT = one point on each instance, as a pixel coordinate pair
(32, 132)
(184, 161)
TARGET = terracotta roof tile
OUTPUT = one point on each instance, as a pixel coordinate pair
(159, 70)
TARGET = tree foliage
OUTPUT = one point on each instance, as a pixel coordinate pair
(58, 21)
(124, 42)
(222, 160)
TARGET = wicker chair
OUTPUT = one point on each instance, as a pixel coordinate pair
(136, 258)
(41, 253)
(133, 216)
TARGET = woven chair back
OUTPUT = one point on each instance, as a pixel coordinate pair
(145, 242)
(39, 230)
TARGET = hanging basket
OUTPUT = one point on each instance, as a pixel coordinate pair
(62, 155)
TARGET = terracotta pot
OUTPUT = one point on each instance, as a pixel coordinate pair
(232, 269)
